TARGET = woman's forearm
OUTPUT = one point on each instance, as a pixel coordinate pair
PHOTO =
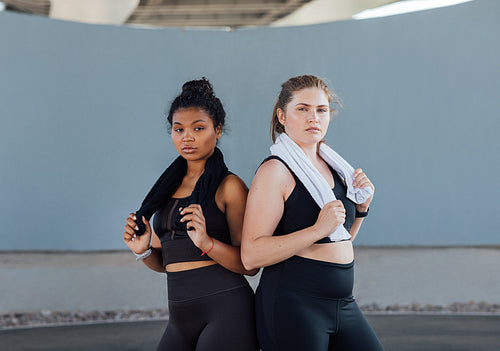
(227, 256)
(355, 227)
(268, 250)
(155, 260)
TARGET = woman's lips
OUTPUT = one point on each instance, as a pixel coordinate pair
(188, 149)
(313, 130)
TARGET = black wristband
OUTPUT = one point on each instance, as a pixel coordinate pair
(362, 214)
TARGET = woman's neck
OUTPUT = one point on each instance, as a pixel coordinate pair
(195, 168)
(311, 150)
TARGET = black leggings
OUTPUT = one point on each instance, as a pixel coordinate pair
(304, 304)
(210, 309)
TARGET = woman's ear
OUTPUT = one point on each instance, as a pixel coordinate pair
(281, 116)
(218, 132)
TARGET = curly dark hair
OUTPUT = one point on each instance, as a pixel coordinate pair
(199, 93)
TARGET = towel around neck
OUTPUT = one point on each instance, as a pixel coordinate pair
(169, 181)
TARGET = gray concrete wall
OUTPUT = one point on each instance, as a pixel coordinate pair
(83, 138)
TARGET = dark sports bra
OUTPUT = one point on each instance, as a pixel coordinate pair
(176, 246)
(301, 211)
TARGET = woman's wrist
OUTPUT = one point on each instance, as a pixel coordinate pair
(318, 234)
(362, 208)
(145, 254)
(206, 243)
(210, 247)
(142, 251)
(362, 214)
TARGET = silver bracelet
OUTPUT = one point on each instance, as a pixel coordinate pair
(143, 255)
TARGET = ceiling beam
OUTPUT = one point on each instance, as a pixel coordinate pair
(181, 22)
(206, 9)
(287, 7)
(39, 7)
(229, 13)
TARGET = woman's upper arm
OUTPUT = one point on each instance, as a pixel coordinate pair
(235, 196)
(265, 201)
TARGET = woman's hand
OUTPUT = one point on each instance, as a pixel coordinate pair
(330, 217)
(138, 244)
(196, 226)
(362, 181)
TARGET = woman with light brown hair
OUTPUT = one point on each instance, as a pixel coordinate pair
(305, 207)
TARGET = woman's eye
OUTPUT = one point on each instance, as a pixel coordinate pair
(302, 109)
(199, 128)
(177, 130)
(322, 110)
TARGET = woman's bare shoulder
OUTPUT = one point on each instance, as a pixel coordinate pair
(233, 183)
(276, 169)
(275, 175)
(232, 188)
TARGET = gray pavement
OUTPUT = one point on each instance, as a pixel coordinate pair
(396, 332)
(385, 277)
(88, 281)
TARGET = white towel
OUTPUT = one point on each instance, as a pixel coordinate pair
(286, 149)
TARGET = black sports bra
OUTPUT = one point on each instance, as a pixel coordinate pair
(301, 211)
(175, 243)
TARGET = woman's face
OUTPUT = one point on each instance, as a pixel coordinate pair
(193, 133)
(306, 116)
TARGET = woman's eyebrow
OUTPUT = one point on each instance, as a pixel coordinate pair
(199, 120)
(303, 103)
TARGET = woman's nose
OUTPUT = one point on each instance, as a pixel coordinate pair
(313, 117)
(187, 136)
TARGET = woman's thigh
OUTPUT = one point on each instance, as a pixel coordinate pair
(231, 322)
(303, 322)
(354, 331)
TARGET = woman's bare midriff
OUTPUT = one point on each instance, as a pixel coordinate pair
(339, 252)
(185, 266)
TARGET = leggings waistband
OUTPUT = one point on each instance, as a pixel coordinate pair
(312, 277)
(200, 282)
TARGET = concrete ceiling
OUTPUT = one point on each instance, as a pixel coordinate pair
(195, 13)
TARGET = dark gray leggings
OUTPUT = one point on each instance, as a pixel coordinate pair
(304, 304)
(210, 309)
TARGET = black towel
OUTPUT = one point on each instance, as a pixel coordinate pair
(204, 190)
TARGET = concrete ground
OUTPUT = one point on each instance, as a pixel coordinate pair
(395, 278)
(115, 281)
(396, 332)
